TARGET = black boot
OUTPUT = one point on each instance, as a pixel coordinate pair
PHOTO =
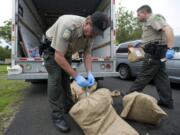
(61, 124)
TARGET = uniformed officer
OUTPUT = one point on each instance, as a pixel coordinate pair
(69, 34)
(158, 42)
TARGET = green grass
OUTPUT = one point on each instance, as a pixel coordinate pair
(3, 69)
(10, 91)
(11, 95)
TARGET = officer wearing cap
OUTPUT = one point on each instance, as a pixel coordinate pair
(158, 42)
(69, 34)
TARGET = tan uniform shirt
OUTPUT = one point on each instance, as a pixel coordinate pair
(67, 35)
(152, 29)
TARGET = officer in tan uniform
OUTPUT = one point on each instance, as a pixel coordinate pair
(69, 34)
(158, 42)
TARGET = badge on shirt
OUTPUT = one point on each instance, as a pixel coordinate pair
(66, 34)
(157, 18)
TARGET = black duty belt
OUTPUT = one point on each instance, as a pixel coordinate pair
(157, 51)
(156, 42)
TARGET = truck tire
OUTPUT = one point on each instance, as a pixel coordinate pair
(124, 72)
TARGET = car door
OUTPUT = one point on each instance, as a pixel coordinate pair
(122, 57)
(173, 66)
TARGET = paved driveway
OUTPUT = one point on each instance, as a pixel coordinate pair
(33, 117)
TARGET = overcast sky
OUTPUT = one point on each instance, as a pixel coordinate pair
(5, 10)
(170, 9)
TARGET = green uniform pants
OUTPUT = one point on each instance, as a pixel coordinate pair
(59, 94)
(154, 70)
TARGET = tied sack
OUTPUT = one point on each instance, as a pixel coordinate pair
(79, 92)
(142, 108)
(135, 54)
(96, 115)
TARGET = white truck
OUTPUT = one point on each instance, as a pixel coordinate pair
(31, 19)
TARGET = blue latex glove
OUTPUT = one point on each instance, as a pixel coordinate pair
(170, 54)
(91, 79)
(81, 81)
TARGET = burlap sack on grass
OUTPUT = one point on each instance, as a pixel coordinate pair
(79, 92)
(96, 116)
(142, 108)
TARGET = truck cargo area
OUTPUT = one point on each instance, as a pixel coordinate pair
(32, 18)
(51, 10)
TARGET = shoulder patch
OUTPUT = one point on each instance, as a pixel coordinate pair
(157, 18)
(66, 34)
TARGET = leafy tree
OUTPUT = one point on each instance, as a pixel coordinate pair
(128, 27)
(5, 31)
(4, 53)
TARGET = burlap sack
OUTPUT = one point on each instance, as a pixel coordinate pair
(96, 116)
(135, 54)
(79, 92)
(142, 108)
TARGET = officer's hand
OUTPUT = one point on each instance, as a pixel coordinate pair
(170, 54)
(91, 79)
(81, 81)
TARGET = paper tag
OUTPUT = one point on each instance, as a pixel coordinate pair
(138, 53)
(87, 93)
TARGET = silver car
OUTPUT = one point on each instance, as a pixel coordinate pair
(127, 69)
